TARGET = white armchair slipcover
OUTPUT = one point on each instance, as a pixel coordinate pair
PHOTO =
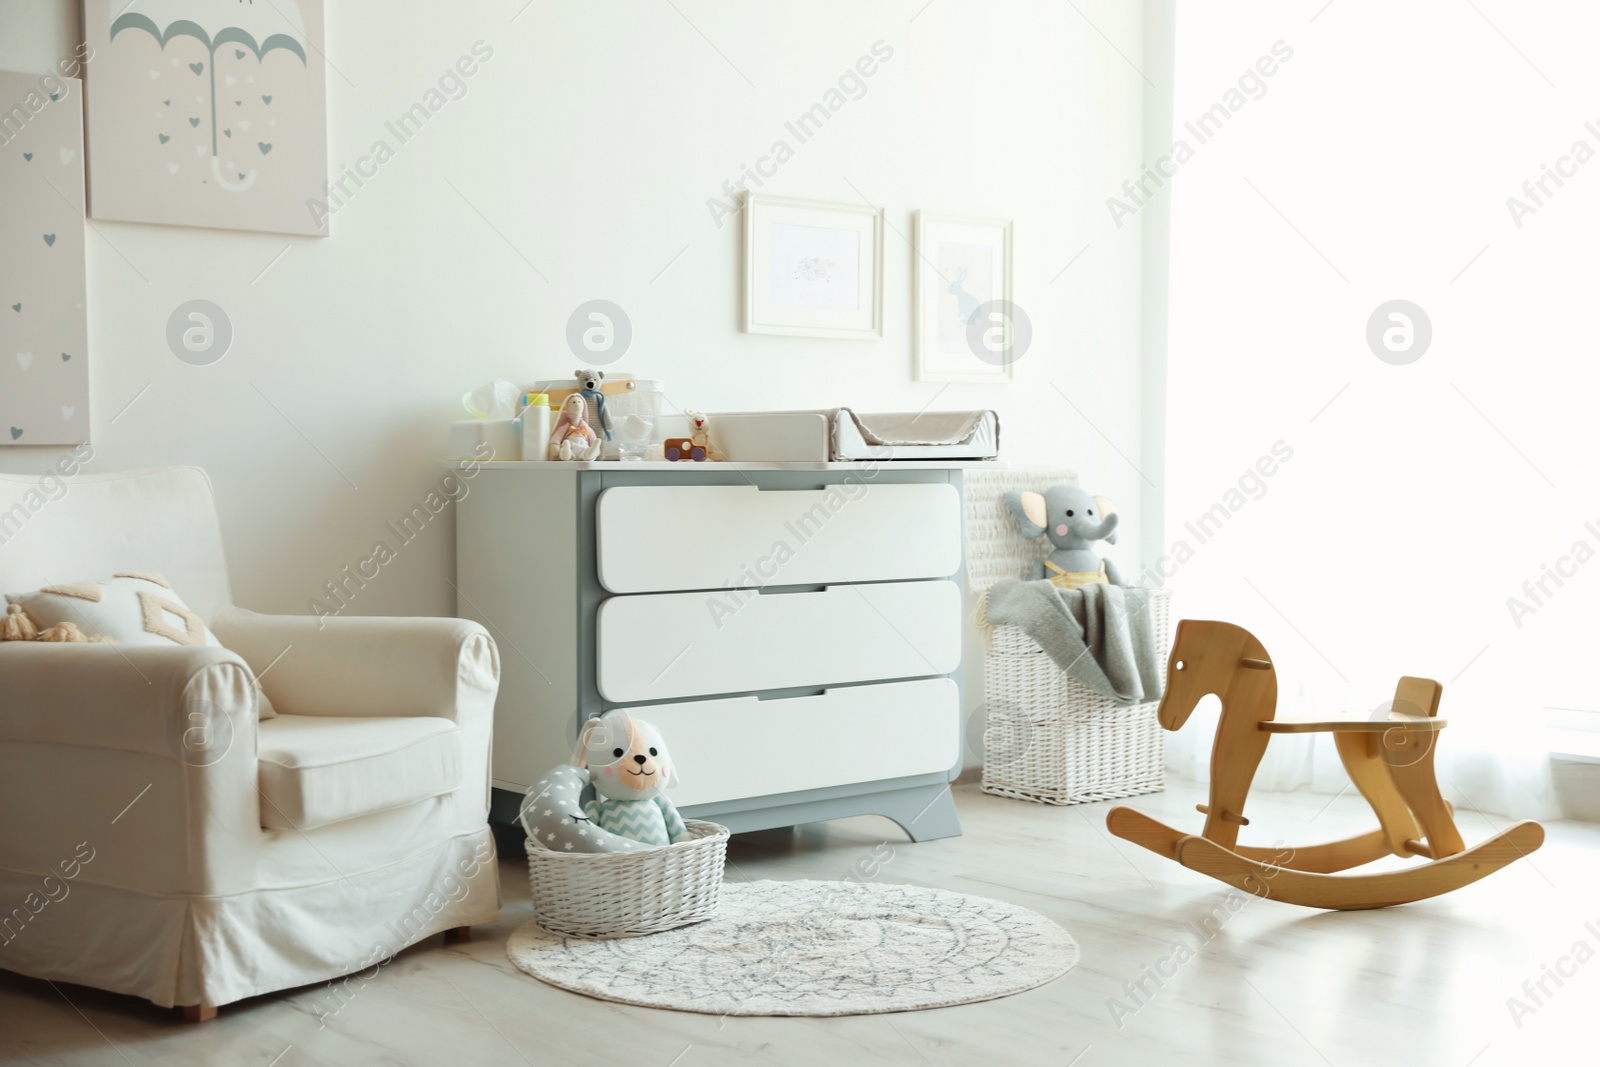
(265, 856)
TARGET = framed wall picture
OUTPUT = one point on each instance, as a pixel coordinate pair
(208, 113)
(44, 332)
(965, 328)
(812, 268)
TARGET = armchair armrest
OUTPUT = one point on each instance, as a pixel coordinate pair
(366, 665)
(144, 700)
(147, 755)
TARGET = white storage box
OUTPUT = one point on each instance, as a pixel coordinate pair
(771, 436)
(485, 439)
(761, 436)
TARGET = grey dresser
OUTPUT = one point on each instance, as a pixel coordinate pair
(793, 629)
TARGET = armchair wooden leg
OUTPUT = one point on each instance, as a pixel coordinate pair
(198, 1013)
(458, 933)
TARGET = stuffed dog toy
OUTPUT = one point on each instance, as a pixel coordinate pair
(629, 766)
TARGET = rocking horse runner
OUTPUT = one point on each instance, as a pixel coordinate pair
(1390, 761)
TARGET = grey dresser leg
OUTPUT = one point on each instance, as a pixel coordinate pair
(926, 813)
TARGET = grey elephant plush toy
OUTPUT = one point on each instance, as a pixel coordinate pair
(1073, 520)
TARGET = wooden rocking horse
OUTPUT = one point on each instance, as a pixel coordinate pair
(1390, 760)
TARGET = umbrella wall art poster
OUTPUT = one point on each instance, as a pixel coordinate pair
(44, 374)
(208, 113)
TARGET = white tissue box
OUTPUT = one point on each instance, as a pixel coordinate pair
(771, 436)
(468, 439)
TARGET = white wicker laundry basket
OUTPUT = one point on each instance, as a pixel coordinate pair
(629, 894)
(1052, 740)
(1048, 738)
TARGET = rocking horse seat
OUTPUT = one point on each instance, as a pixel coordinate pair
(1415, 707)
(1351, 726)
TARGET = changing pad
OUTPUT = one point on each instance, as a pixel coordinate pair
(908, 435)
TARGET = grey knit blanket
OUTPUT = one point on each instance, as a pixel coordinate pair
(1102, 634)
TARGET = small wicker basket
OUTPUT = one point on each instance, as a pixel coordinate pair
(629, 894)
(1051, 740)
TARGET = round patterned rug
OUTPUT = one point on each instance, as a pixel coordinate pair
(814, 948)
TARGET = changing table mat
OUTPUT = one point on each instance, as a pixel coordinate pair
(910, 435)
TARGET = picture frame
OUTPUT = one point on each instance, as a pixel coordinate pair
(960, 264)
(812, 268)
(44, 327)
(209, 113)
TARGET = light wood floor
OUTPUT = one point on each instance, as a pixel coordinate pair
(1418, 985)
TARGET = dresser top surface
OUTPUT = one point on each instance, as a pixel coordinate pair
(689, 467)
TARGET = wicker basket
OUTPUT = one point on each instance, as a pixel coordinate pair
(629, 894)
(1051, 740)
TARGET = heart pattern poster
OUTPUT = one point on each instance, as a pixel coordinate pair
(208, 113)
(44, 373)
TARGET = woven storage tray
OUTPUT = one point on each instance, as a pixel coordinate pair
(1051, 740)
(629, 894)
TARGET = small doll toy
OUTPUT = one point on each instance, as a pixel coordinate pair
(572, 438)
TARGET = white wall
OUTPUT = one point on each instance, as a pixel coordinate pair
(592, 141)
(1155, 221)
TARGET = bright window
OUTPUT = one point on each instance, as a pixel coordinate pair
(1420, 496)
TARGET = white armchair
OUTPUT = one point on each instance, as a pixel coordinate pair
(155, 839)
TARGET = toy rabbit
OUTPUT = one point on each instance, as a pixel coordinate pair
(572, 438)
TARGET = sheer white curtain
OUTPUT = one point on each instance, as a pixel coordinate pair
(1364, 518)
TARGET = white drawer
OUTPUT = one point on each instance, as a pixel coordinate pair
(653, 538)
(664, 645)
(746, 747)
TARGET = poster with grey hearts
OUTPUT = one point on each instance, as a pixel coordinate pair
(208, 113)
(44, 372)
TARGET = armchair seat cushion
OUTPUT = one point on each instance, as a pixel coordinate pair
(317, 770)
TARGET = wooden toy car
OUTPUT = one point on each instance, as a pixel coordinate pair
(676, 449)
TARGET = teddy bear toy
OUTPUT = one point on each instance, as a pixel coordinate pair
(572, 437)
(1073, 520)
(589, 387)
